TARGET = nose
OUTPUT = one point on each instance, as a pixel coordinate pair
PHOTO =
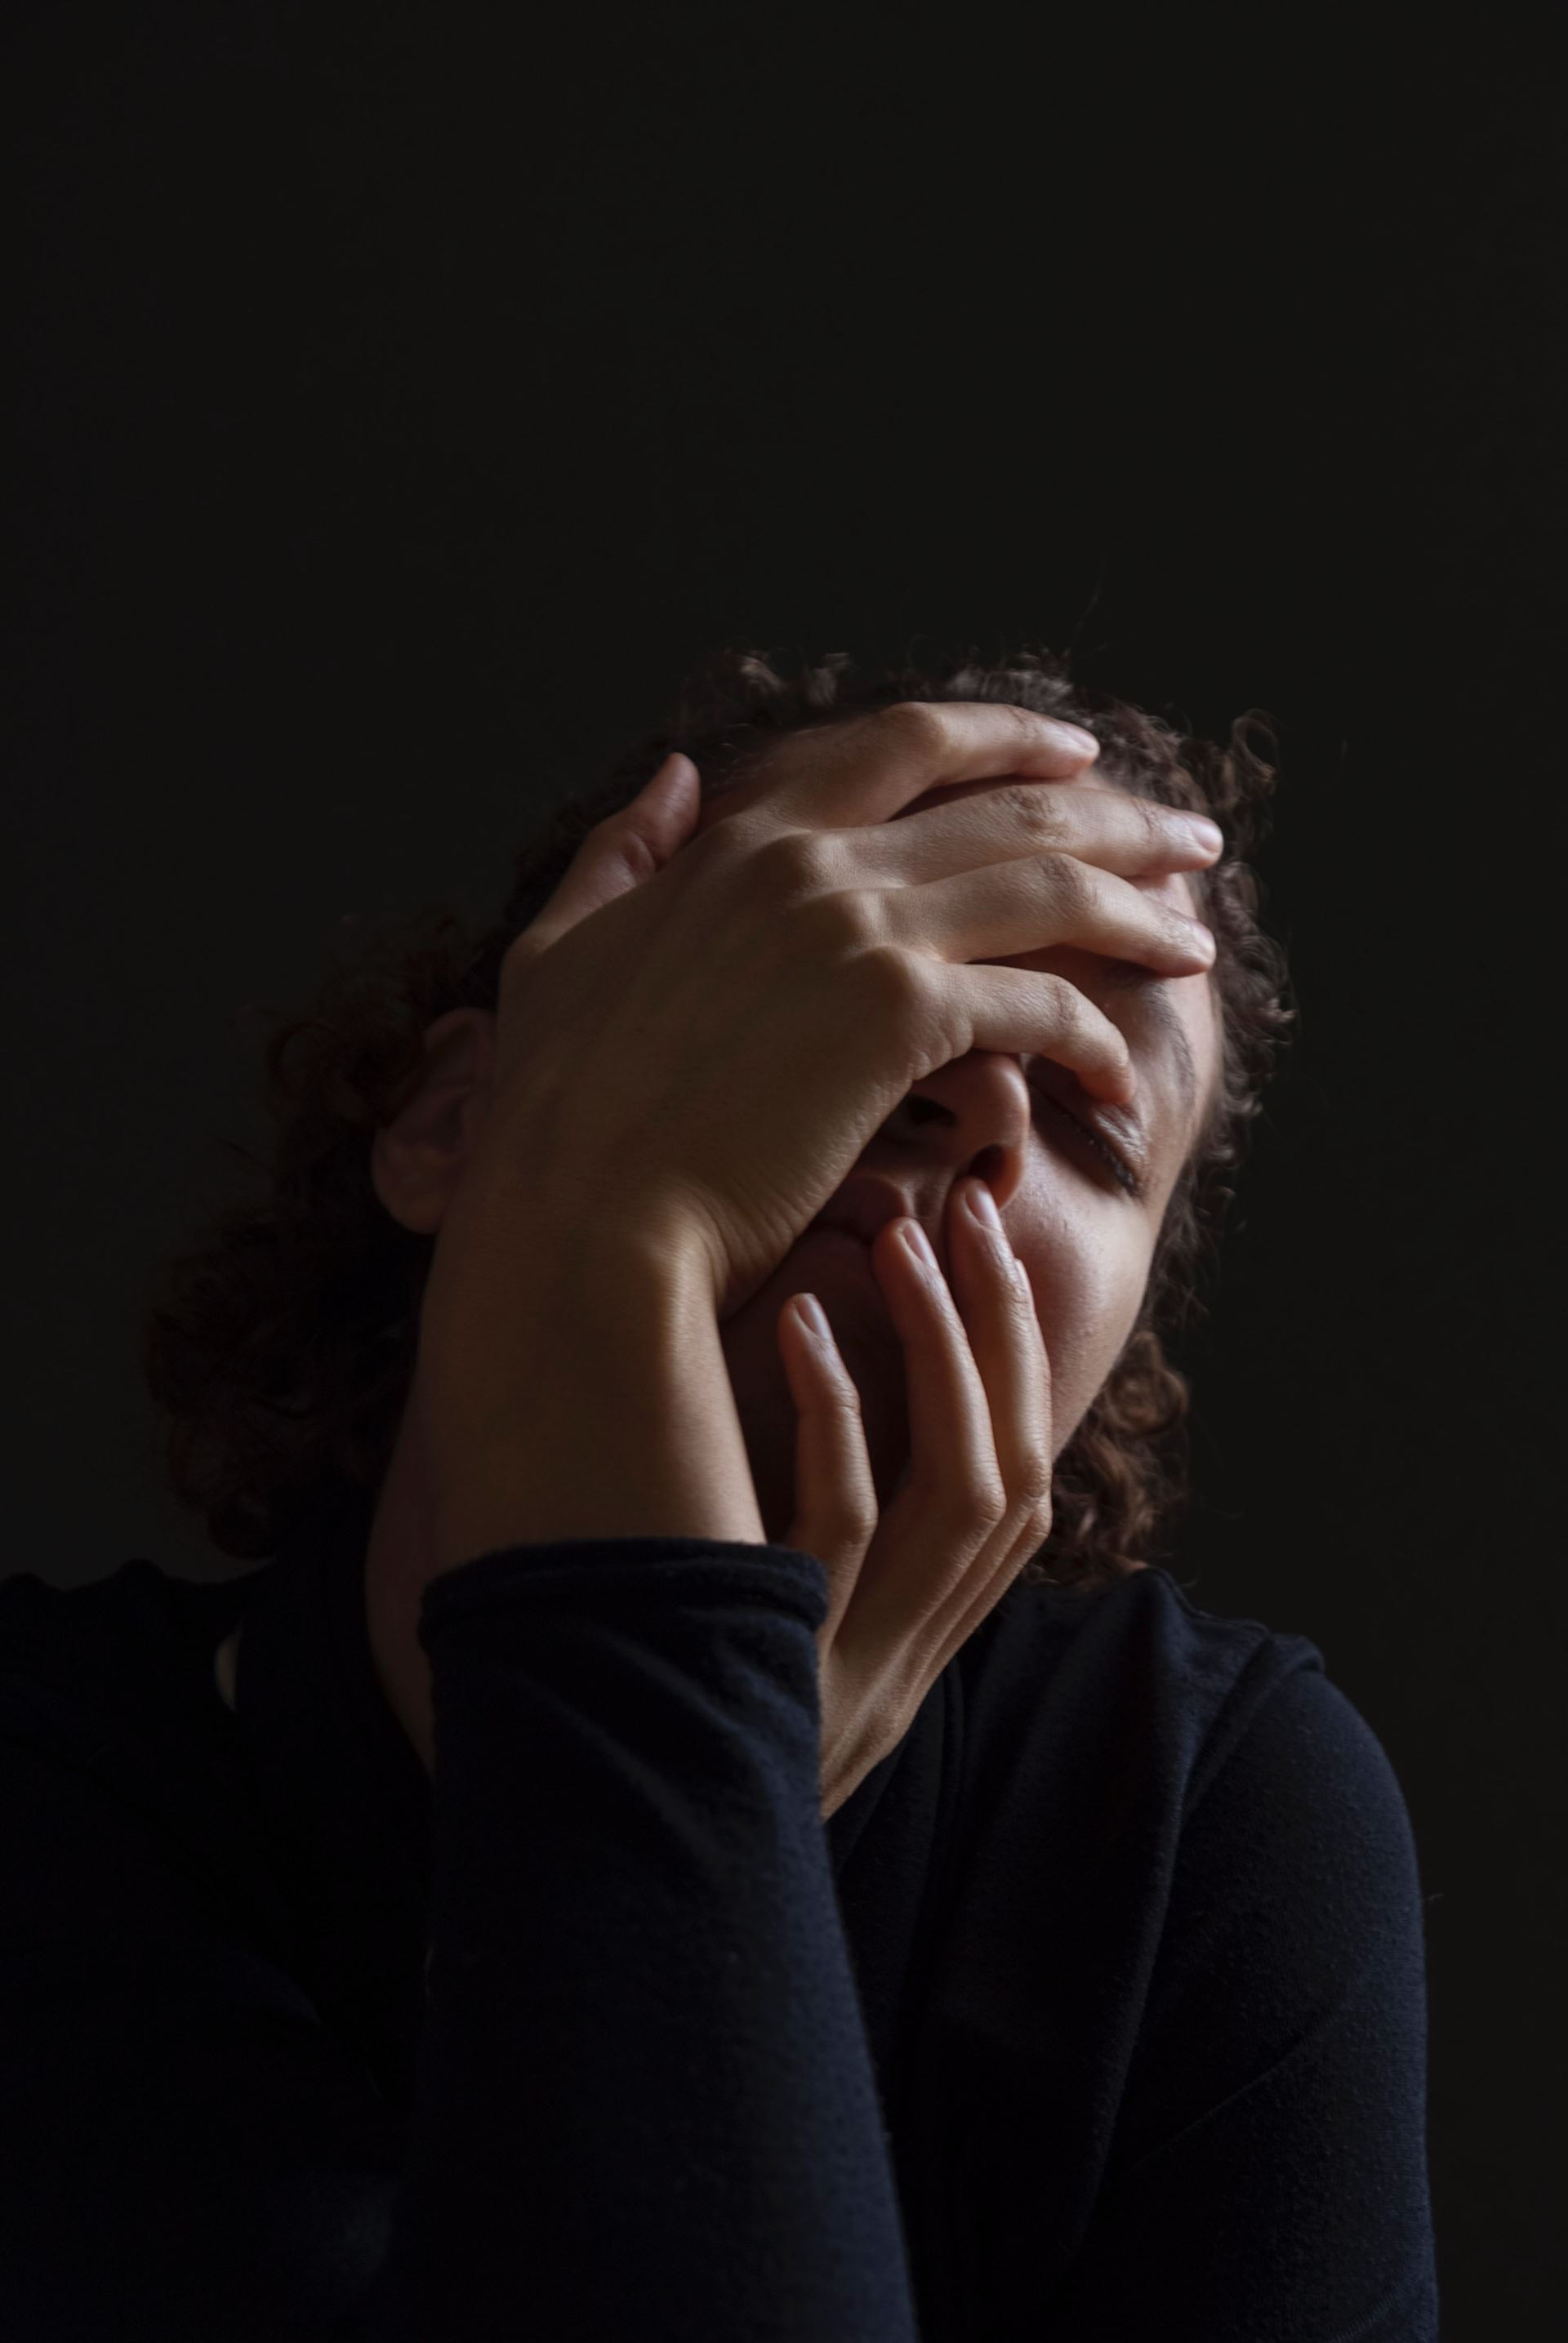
(968, 1119)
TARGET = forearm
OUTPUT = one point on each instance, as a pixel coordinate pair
(601, 1407)
(646, 2104)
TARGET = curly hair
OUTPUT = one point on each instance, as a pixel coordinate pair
(278, 1347)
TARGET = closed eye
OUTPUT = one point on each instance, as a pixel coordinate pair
(1091, 1139)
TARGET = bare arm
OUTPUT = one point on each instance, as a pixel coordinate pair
(620, 1420)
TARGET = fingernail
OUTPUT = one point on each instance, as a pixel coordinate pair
(808, 1307)
(1077, 738)
(983, 1205)
(1203, 832)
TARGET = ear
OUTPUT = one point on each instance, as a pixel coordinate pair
(418, 1157)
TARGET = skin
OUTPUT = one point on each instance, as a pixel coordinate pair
(1087, 1246)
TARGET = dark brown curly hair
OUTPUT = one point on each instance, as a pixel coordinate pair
(278, 1347)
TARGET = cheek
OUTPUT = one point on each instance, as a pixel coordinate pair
(1088, 1270)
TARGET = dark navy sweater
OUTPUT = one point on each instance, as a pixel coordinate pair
(1098, 2011)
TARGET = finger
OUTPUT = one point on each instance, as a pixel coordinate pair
(863, 769)
(954, 1496)
(836, 1508)
(620, 851)
(1015, 1010)
(996, 1305)
(1037, 904)
(1107, 827)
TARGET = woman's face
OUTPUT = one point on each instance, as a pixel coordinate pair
(1086, 1242)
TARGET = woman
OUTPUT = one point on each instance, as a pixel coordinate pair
(710, 1822)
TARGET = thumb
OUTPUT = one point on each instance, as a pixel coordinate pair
(620, 851)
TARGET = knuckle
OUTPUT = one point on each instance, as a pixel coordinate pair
(916, 727)
(858, 1518)
(1041, 811)
(1068, 882)
(1153, 821)
(983, 1503)
(845, 1407)
(1085, 1028)
(780, 867)
(966, 1507)
(626, 834)
(841, 926)
(1067, 1001)
(1032, 1497)
(1057, 997)
(893, 982)
(794, 862)
(856, 1531)
(909, 997)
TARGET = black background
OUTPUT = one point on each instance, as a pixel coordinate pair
(404, 404)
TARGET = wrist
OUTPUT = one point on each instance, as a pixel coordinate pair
(596, 1402)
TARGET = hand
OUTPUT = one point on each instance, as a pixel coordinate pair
(905, 1592)
(708, 1053)
(662, 1031)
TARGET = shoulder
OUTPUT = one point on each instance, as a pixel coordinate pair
(116, 1674)
(126, 1816)
(1285, 2004)
(1282, 1744)
(1219, 1746)
(1287, 1886)
(1244, 2038)
(74, 1636)
(1303, 1816)
(1139, 1668)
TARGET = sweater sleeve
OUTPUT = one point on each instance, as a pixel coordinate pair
(644, 2103)
(1269, 2179)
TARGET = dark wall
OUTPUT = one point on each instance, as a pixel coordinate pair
(404, 407)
